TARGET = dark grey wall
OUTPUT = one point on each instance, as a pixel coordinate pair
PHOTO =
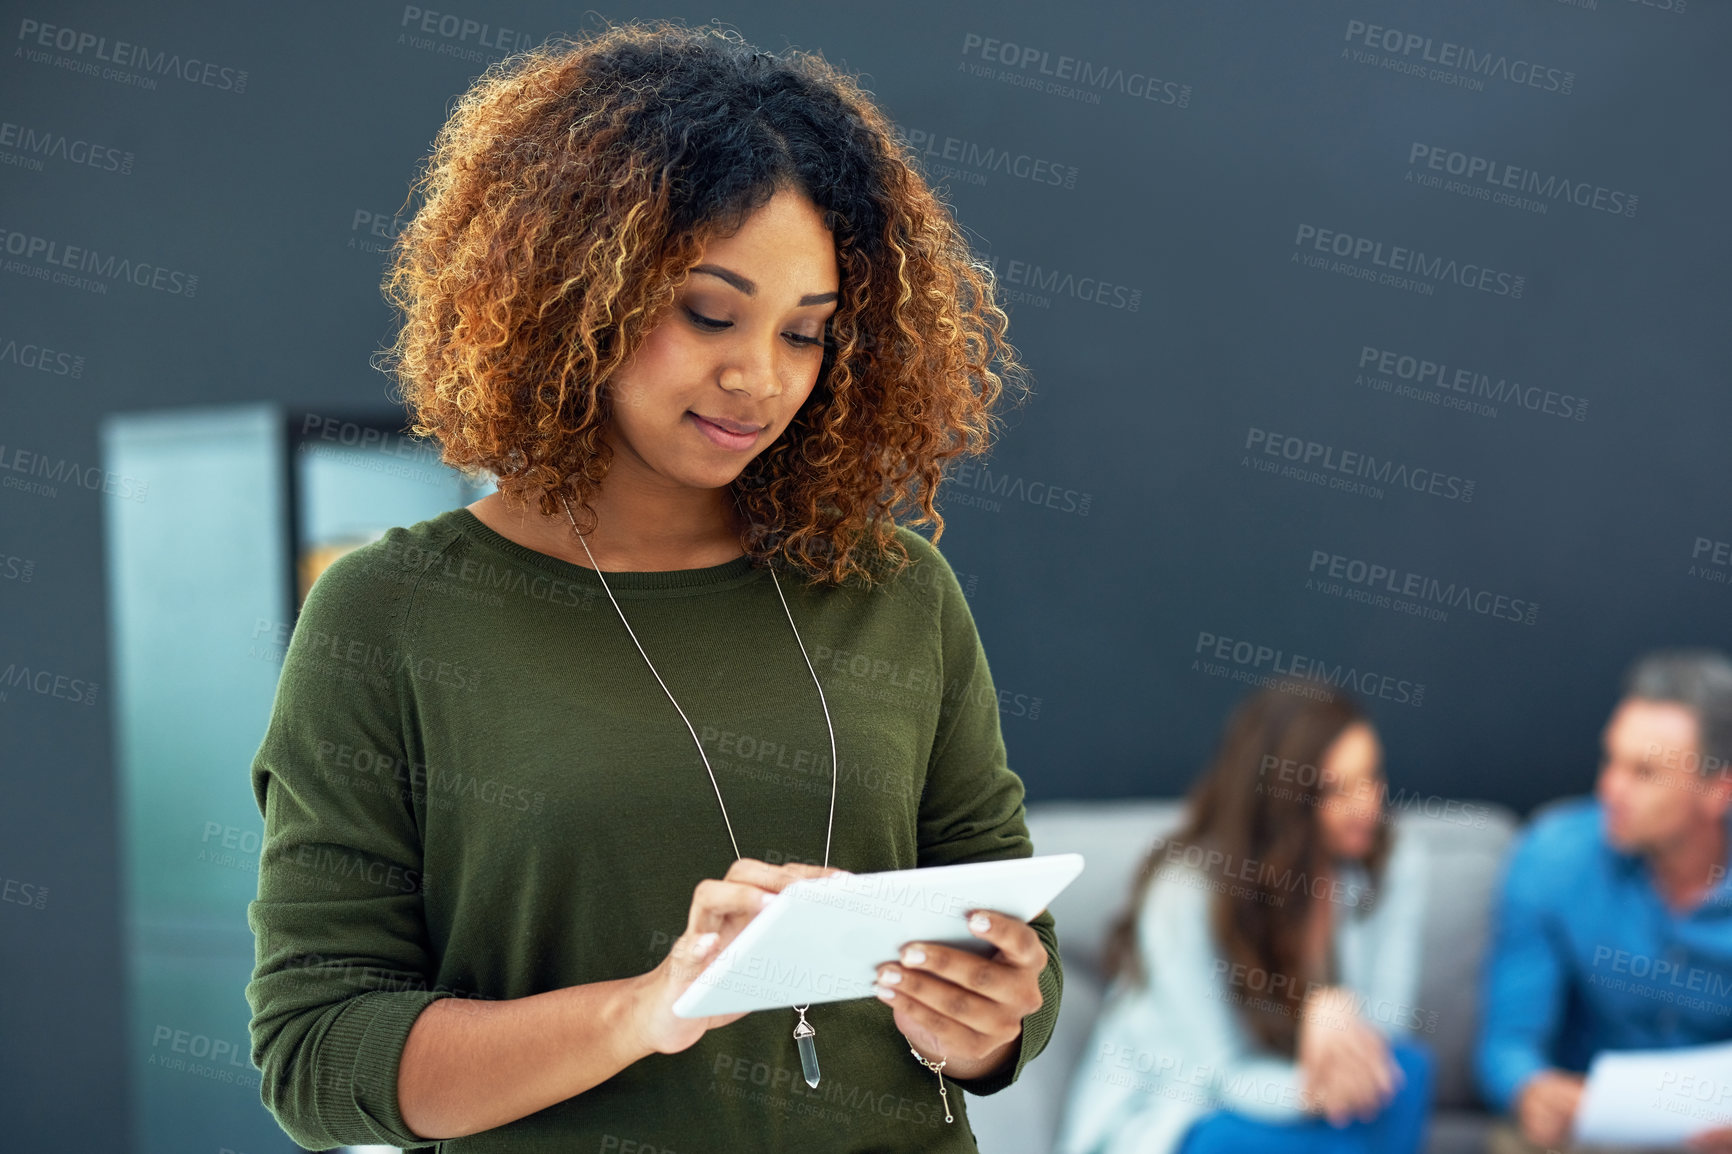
(1219, 218)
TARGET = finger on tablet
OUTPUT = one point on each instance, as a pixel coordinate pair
(715, 903)
(773, 877)
(1021, 945)
(956, 1001)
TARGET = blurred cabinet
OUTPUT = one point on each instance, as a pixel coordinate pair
(232, 514)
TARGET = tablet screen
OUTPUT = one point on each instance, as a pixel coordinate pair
(823, 939)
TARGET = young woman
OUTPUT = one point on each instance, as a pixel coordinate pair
(534, 762)
(1262, 976)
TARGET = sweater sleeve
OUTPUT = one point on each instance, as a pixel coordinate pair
(972, 806)
(342, 961)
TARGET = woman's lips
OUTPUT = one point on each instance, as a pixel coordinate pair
(722, 438)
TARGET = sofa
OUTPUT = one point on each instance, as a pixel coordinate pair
(1467, 843)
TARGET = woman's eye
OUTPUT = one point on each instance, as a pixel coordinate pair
(710, 324)
(706, 322)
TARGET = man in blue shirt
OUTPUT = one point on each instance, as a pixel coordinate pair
(1614, 927)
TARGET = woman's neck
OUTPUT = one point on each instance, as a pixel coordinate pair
(633, 532)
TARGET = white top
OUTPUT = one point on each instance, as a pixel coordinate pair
(1163, 1055)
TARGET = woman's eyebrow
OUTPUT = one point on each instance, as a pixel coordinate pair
(750, 288)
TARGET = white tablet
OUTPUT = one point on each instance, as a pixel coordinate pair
(823, 939)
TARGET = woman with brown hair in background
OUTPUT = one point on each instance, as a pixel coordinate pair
(1263, 972)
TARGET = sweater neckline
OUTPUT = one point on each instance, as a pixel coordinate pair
(707, 578)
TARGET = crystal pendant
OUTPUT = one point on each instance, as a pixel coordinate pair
(808, 1051)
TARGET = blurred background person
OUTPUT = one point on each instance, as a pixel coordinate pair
(1613, 930)
(1263, 972)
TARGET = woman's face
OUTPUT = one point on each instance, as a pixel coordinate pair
(741, 347)
(1350, 782)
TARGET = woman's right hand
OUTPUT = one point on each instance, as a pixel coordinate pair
(1349, 1071)
(720, 909)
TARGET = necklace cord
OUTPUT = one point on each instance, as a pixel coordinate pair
(804, 1031)
(831, 825)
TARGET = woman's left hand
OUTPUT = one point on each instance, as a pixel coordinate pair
(963, 1009)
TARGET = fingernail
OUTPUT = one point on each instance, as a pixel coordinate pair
(884, 992)
(766, 899)
(913, 956)
(703, 944)
(890, 977)
(980, 923)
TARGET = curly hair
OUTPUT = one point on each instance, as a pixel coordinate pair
(567, 196)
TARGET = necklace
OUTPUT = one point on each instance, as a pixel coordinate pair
(936, 1068)
(803, 1031)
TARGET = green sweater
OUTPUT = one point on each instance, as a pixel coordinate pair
(472, 786)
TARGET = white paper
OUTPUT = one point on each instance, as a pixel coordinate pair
(1655, 1097)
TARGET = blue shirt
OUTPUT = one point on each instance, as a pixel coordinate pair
(1585, 956)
